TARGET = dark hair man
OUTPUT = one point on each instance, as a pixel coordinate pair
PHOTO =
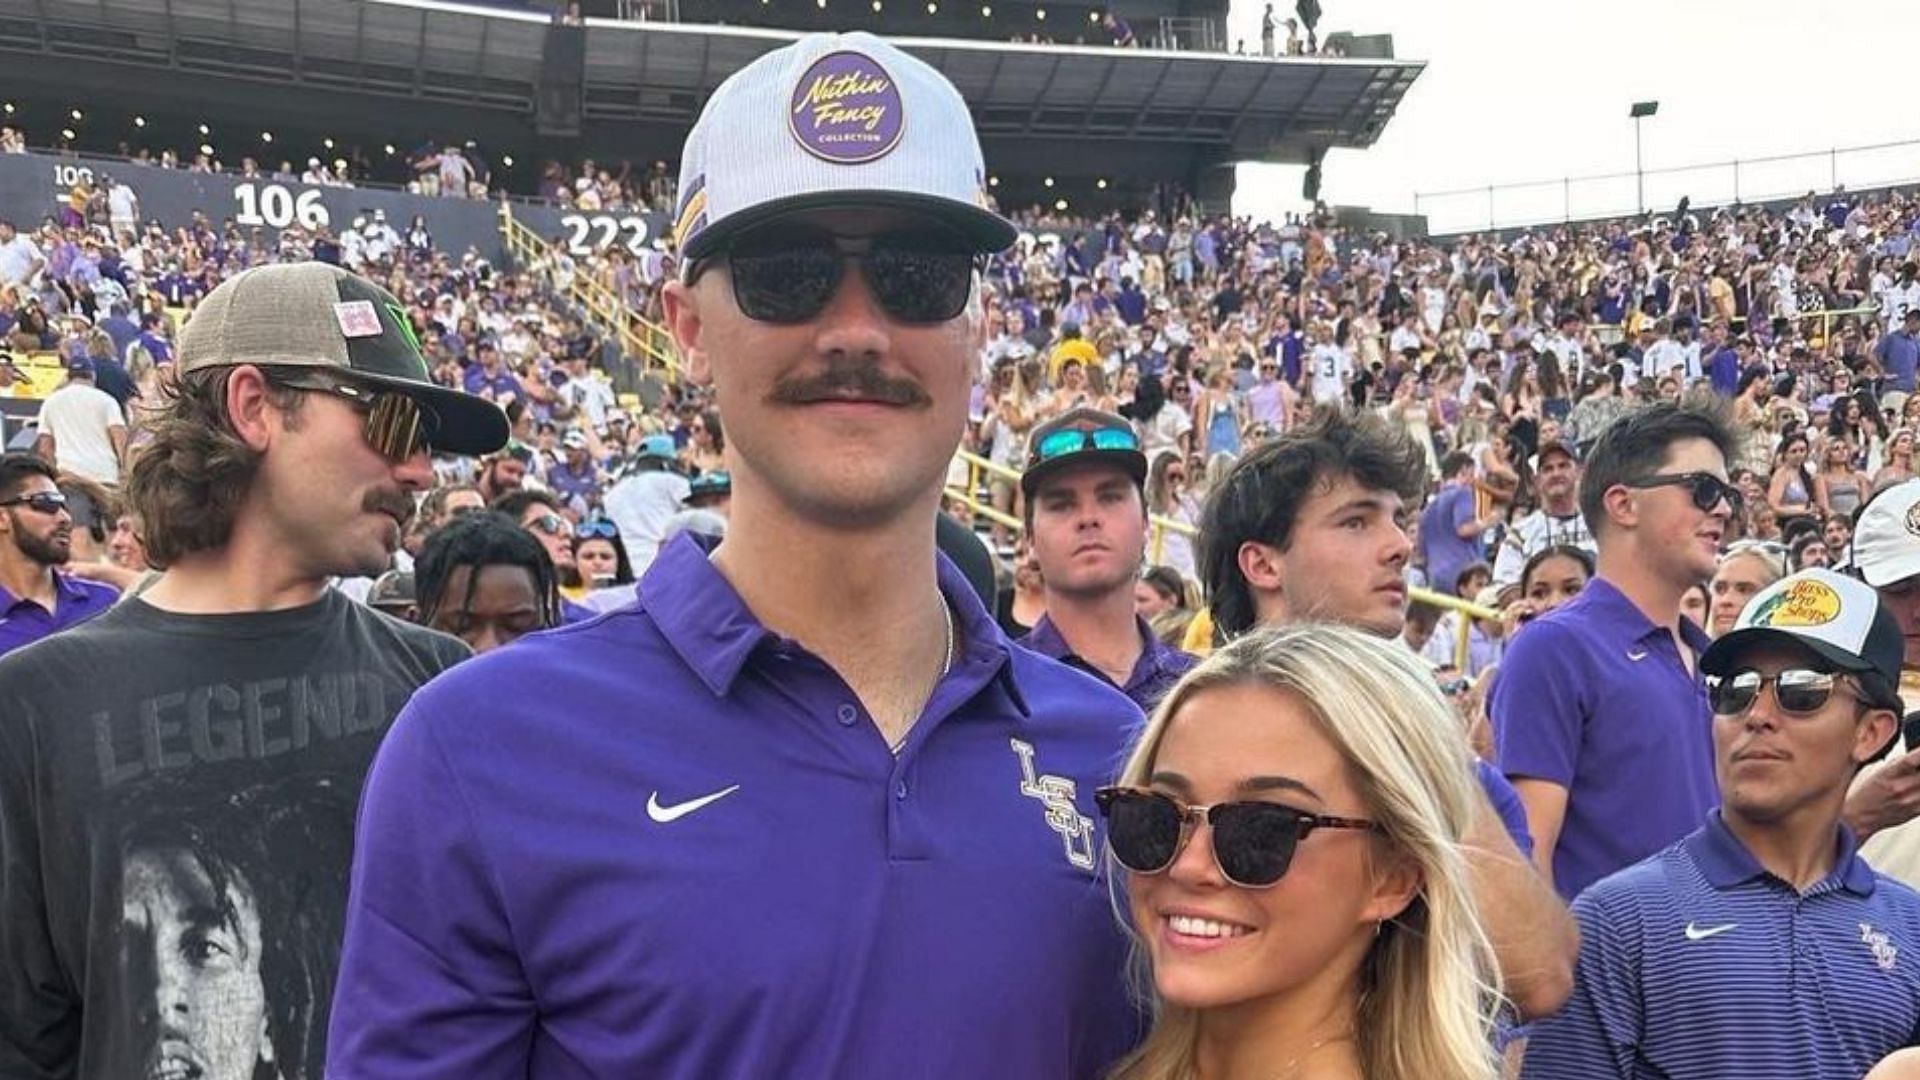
(36, 598)
(285, 453)
(822, 656)
(1762, 944)
(485, 580)
(1310, 526)
(1599, 710)
(540, 514)
(1087, 515)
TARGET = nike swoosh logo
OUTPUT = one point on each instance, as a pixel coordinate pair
(1701, 933)
(1636, 654)
(664, 814)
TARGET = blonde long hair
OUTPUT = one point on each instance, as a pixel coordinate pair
(1428, 983)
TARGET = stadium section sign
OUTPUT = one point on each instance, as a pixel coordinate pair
(34, 187)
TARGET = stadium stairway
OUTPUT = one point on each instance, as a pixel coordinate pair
(645, 344)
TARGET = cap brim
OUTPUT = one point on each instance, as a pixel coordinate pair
(468, 424)
(988, 231)
(1718, 655)
(1131, 462)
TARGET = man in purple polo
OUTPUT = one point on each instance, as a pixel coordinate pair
(1087, 518)
(36, 539)
(1600, 712)
(801, 810)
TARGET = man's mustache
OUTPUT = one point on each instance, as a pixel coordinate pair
(397, 503)
(849, 379)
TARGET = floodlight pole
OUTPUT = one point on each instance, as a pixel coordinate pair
(1640, 111)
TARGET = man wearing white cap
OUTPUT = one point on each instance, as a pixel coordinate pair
(1886, 796)
(802, 810)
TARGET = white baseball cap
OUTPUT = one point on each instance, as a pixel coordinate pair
(1886, 537)
(832, 120)
(1837, 618)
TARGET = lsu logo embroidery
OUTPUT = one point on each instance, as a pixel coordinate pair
(1056, 794)
(1884, 950)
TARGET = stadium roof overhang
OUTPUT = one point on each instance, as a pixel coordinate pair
(489, 59)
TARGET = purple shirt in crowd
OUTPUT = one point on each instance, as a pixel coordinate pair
(1159, 667)
(1594, 697)
(24, 621)
(1442, 548)
(670, 843)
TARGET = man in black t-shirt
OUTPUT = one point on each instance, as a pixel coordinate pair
(178, 776)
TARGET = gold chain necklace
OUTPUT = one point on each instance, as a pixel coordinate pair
(946, 668)
(1292, 1068)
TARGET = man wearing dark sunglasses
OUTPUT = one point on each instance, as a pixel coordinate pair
(1087, 515)
(287, 451)
(1705, 960)
(36, 530)
(801, 810)
(1599, 712)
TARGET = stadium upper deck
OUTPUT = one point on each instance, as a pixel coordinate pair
(392, 72)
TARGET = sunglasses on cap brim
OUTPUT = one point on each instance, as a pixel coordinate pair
(1253, 842)
(788, 274)
(1066, 441)
(397, 426)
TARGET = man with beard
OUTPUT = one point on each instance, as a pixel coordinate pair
(1556, 483)
(285, 453)
(36, 538)
(1087, 516)
(505, 472)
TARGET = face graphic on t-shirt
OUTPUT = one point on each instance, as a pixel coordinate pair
(197, 943)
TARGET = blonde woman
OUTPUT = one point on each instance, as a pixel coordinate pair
(1899, 465)
(1321, 924)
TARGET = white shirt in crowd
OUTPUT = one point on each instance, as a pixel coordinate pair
(80, 417)
(1332, 367)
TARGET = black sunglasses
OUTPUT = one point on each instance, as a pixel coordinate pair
(1706, 489)
(397, 426)
(788, 275)
(1253, 842)
(1796, 690)
(44, 502)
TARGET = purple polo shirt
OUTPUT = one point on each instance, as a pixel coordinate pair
(1594, 697)
(669, 843)
(23, 621)
(1160, 665)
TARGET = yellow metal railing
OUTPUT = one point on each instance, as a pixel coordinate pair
(647, 342)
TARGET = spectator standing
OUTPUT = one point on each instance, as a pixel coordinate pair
(82, 428)
(1899, 352)
(1886, 796)
(1599, 713)
(1555, 521)
(21, 260)
(1307, 527)
(1266, 30)
(825, 656)
(1452, 536)
(176, 860)
(1086, 512)
(1762, 945)
(36, 540)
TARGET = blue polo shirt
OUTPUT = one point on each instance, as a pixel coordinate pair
(24, 621)
(1594, 697)
(1160, 665)
(692, 857)
(1899, 355)
(1697, 963)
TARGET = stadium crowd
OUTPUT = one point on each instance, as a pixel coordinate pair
(1628, 456)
